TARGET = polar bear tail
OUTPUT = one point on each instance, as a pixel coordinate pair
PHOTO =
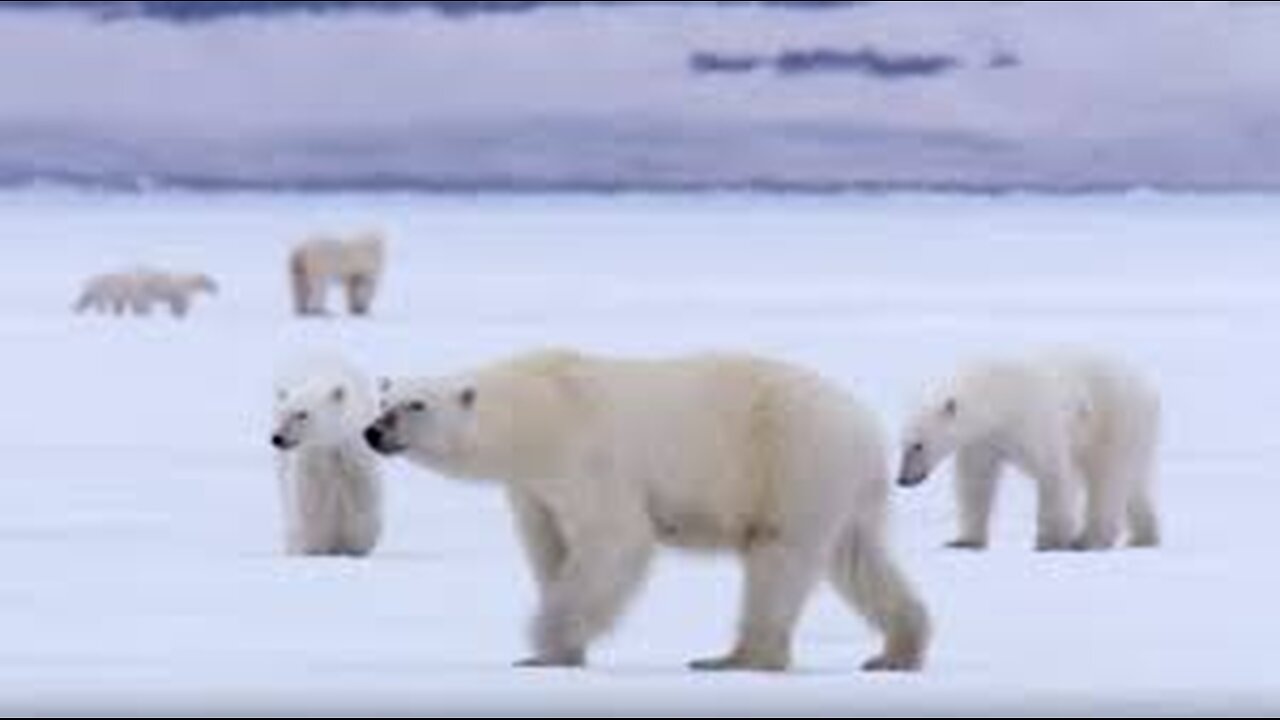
(865, 574)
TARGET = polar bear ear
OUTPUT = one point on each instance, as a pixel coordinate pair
(951, 408)
(467, 398)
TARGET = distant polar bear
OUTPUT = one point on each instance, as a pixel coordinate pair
(602, 459)
(330, 488)
(1078, 425)
(356, 263)
(137, 290)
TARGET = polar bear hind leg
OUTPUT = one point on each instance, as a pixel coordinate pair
(866, 575)
(780, 575)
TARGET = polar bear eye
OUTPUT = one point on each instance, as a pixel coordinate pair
(302, 416)
(916, 448)
(416, 406)
(951, 408)
(467, 398)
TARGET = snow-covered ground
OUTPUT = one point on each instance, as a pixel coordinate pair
(139, 531)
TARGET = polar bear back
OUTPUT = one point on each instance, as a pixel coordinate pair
(721, 441)
(323, 256)
(1096, 400)
(1111, 401)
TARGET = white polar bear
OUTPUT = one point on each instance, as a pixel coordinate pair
(356, 263)
(137, 290)
(330, 488)
(602, 459)
(1077, 425)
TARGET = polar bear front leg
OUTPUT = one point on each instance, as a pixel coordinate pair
(977, 471)
(543, 544)
(291, 521)
(1057, 511)
(1104, 511)
(1144, 522)
(179, 303)
(604, 564)
(360, 291)
(780, 575)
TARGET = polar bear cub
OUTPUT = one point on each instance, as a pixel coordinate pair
(603, 459)
(1084, 428)
(330, 488)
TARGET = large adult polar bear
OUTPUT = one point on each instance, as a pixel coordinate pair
(1080, 426)
(355, 262)
(603, 459)
(330, 487)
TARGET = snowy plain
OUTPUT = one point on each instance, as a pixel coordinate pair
(139, 531)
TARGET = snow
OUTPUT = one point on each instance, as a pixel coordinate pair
(139, 530)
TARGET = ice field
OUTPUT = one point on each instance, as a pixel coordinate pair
(139, 532)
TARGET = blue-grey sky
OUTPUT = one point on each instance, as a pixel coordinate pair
(981, 93)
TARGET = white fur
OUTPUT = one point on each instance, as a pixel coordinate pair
(137, 290)
(330, 488)
(1084, 428)
(603, 459)
(356, 263)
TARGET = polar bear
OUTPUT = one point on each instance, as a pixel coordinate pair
(356, 263)
(137, 290)
(1083, 427)
(330, 488)
(603, 459)
(116, 293)
(177, 290)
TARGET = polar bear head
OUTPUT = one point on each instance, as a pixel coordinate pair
(201, 282)
(962, 411)
(931, 437)
(434, 422)
(319, 413)
(518, 418)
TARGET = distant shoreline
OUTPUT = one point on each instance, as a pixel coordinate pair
(392, 186)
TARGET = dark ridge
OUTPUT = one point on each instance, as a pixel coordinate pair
(708, 62)
(1004, 61)
(375, 184)
(867, 61)
(198, 10)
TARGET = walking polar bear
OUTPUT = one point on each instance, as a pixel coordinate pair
(330, 488)
(602, 459)
(355, 263)
(1079, 426)
(137, 290)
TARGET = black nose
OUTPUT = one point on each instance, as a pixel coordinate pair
(278, 441)
(910, 481)
(373, 436)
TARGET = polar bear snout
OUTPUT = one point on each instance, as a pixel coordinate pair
(914, 467)
(284, 442)
(382, 437)
(375, 437)
(910, 481)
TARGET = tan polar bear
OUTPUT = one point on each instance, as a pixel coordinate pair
(330, 488)
(1084, 428)
(356, 263)
(602, 459)
(138, 289)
